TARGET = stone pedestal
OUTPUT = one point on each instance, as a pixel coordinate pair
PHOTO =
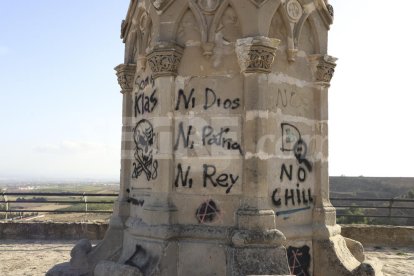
(225, 143)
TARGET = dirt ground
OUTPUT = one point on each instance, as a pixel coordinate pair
(396, 261)
(36, 257)
(32, 257)
(70, 217)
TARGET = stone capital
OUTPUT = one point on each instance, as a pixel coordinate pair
(323, 68)
(125, 74)
(164, 59)
(256, 54)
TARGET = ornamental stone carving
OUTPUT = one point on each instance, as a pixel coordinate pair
(330, 9)
(164, 59)
(125, 74)
(161, 5)
(323, 68)
(256, 54)
(209, 6)
(294, 10)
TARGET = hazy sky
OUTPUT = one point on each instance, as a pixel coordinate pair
(60, 107)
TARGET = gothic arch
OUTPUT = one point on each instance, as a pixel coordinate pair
(217, 19)
(183, 12)
(308, 20)
(282, 14)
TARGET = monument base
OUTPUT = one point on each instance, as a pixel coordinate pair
(335, 258)
(184, 251)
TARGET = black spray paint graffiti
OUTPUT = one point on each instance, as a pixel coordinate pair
(144, 142)
(210, 100)
(302, 196)
(209, 137)
(293, 196)
(292, 141)
(144, 103)
(299, 260)
(210, 177)
(142, 260)
(145, 82)
(207, 212)
(136, 202)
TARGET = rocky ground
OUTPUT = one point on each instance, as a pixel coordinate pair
(36, 257)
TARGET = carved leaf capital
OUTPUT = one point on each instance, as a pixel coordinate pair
(164, 59)
(323, 68)
(256, 54)
(125, 74)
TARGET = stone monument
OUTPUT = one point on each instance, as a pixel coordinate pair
(224, 166)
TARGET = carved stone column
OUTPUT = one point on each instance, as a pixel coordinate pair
(256, 56)
(126, 76)
(163, 59)
(256, 227)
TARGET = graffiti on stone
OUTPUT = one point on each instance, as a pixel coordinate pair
(295, 192)
(211, 177)
(187, 137)
(144, 145)
(145, 102)
(210, 100)
(207, 212)
(299, 260)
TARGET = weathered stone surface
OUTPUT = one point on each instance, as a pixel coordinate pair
(356, 249)
(380, 235)
(224, 167)
(66, 269)
(79, 256)
(106, 268)
(258, 261)
(52, 231)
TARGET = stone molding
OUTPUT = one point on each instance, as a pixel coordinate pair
(294, 10)
(161, 5)
(258, 3)
(256, 54)
(126, 74)
(164, 59)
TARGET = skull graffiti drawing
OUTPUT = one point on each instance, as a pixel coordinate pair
(144, 142)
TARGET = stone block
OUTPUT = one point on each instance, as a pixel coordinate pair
(258, 261)
(203, 259)
(107, 268)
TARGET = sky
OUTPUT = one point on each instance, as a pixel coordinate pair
(60, 107)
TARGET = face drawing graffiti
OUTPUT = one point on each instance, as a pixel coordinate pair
(292, 141)
(144, 142)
